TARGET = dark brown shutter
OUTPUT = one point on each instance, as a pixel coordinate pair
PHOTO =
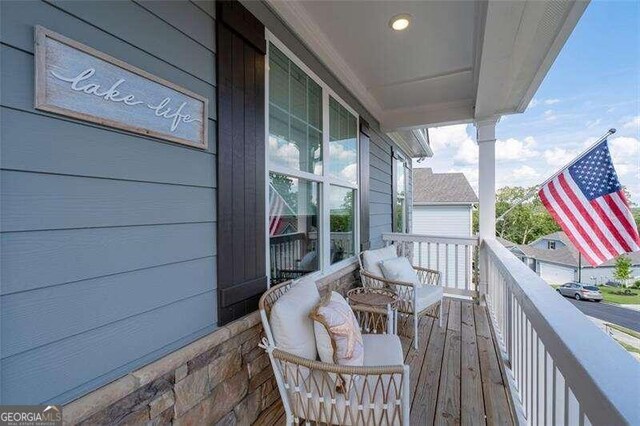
(241, 49)
(365, 243)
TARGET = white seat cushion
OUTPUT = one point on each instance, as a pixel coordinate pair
(290, 323)
(382, 349)
(371, 259)
(428, 295)
(399, 269)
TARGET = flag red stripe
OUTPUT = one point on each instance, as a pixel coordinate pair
(587, 216)
(603, 223)
(620, 200)
(567, 230)
(610, 225)
(630, 229)
(576, 223)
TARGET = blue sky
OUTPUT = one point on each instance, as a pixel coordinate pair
(593, 85)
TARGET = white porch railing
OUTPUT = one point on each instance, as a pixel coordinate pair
(562, 368)
(452, 256)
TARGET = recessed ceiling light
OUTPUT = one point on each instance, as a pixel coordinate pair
(400, 22)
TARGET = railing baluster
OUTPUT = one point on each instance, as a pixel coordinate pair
(446, 265)
(457, 266)
(444, 282)
(467, 270)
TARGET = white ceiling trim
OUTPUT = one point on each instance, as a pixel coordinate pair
(305, 27)
(455, 112)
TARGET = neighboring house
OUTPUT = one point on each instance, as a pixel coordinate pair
(443, 205)
(556, 260)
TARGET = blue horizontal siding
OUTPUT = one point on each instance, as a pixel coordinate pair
(108, 238)
(37, 259)
(45, 144)
(35, 201)
(46, 315)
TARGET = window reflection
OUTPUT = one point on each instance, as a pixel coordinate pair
(343, 153)
(341, 218)
(293, 227)
(295, 116)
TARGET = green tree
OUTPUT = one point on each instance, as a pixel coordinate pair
(622, 270)
(525, 222)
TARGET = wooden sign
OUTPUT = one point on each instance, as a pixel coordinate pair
(78, 81)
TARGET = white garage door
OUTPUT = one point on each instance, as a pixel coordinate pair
(556, 274)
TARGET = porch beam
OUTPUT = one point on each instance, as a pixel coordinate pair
(486, 138)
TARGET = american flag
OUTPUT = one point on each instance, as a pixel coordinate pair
(587, 201)
(276, 206)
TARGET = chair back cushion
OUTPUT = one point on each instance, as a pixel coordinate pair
(399, 269)
(291, 325)
(337, 332)
(371, 259)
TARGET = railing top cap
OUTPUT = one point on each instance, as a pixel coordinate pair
(575, 343)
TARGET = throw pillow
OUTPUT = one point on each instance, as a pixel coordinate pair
(399, 269)
(338, 336)
(371, 259)
(290, 323)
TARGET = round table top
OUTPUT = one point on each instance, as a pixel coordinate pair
(377, 297)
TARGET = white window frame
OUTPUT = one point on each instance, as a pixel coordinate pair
(325, 266)
(398, 156)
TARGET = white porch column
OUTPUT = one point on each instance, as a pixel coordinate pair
(486, 138)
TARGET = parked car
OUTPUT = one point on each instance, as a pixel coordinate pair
(580, 291)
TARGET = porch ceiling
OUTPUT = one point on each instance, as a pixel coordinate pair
(458, 61)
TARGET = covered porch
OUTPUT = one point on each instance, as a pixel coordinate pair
(511, 351)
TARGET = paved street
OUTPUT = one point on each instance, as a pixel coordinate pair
(609, 313)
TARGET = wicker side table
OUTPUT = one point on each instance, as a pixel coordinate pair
(376, 298)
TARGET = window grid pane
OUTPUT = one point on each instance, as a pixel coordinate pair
(293, 227)
(295, 105)
(342, 218)
(343, 151)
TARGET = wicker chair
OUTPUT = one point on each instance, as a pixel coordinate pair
(410, 303)
(312, 390)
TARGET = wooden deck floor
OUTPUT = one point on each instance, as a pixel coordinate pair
(455, 374)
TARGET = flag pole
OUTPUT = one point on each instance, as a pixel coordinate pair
(575, 160)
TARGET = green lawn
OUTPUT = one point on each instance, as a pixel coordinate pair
(609, 296)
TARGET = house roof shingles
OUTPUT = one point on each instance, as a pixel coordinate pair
(565, 256)
(446, 188)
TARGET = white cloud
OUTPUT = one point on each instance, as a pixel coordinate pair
(525, 172)
(442, 137)
(551, 101)
(624, 152)
(456, 138)
(549, 115)
(634, 123)
(524, 175)
(533, 103)
(558, 157)
(467, 153)
(514, 149)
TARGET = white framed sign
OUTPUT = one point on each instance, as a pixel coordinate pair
(80, 82)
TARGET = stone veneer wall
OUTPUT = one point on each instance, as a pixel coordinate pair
(223, 378)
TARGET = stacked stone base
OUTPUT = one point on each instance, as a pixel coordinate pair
(223, 378)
